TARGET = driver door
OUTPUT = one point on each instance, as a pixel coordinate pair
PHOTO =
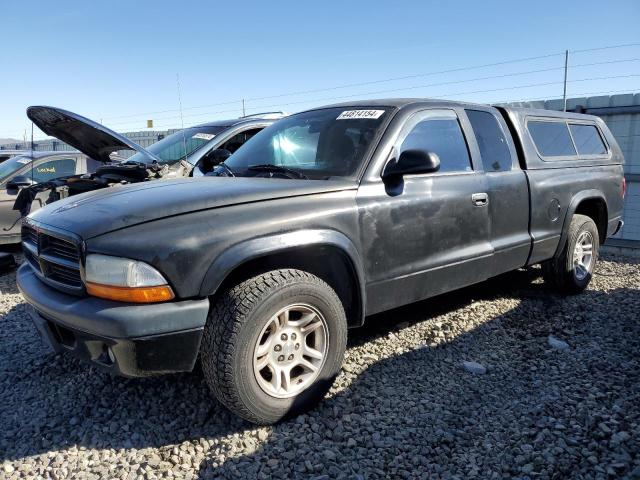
(429, 233)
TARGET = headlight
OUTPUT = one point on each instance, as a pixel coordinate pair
(125, 280)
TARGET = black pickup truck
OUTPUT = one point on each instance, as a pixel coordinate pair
(321, 219)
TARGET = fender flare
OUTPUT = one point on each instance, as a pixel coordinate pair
(571, 210)
(248, 250)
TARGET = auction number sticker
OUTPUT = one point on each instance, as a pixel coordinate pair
(204, 136)
(353, 114)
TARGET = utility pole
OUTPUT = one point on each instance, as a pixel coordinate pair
(566, 68)
(243, 112)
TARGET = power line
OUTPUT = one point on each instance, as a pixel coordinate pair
(443, 96)
(608, 47)
(384, 80)
(575, 95)
(459, 69)
(505, 75)
(447, 94)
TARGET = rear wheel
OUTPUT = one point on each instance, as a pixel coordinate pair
(274, 344)
(572, 270)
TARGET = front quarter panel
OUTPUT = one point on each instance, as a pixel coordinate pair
(185, 247)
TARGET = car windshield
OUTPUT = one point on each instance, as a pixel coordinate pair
(171, 149)
(8, 167)
(319, 144)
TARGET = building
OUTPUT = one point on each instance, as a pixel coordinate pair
(143, 138)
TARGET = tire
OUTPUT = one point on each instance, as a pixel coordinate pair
(235, 330)
(562, 273)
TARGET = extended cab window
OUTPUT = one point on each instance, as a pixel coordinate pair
(552, 139)
(587, 139)
(440, 133)
(494, 150)
(54, 169)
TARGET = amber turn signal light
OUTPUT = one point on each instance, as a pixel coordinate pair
(160, 293)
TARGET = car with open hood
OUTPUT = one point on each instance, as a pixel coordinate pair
(320, 220)
(24, 169)
(189, 152)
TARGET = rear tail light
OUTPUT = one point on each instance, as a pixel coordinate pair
(624, 187)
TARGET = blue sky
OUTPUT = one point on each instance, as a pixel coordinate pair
(117, 61)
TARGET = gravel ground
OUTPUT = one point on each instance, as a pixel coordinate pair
(405, 405)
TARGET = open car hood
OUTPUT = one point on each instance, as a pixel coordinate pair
(91, 138)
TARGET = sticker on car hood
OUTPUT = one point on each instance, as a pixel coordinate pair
(353, 114)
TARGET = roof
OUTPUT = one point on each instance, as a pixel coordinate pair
(5, 151)
(257, 118)
(539, 112)
(397, 103)
(40, 154)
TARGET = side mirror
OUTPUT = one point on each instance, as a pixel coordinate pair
(412, 162)
(21, 181)
(213, 158)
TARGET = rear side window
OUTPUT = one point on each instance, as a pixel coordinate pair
(587, 139)
(440, 133)
(494, 150)
(552, 139)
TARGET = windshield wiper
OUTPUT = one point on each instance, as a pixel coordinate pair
(134, 162)
(227, 169)
(278, 168)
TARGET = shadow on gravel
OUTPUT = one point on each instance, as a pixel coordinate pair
(529, 413)
(420, 413)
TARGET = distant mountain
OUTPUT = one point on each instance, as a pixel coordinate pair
(9, 140)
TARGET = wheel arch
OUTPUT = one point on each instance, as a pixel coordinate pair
(328, 254)
(591, 203)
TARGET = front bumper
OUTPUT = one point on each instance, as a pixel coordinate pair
(127, 339)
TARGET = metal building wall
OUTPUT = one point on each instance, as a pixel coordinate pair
(622, 114)
(142, 138)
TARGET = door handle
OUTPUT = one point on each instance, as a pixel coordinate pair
(480, 199)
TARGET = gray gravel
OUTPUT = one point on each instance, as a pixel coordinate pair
(405, 406)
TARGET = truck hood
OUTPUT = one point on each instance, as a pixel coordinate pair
(91, 138)
(95, 213)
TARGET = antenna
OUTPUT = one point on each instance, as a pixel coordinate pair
(32, 152)
(184, 139)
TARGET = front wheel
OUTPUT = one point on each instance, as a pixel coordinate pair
(572, 270)
(274, 344)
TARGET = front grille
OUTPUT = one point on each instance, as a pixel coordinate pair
(61, 248)
(64, 275)
(29, 235)
(56, 260)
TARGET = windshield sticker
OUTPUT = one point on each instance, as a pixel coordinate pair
(204, 136)
(353, 114)
(23, 161)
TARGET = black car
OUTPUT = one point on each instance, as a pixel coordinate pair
(321, 219)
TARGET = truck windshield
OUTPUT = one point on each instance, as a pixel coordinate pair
(8, 167)
(171, 149)
(318, 144)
